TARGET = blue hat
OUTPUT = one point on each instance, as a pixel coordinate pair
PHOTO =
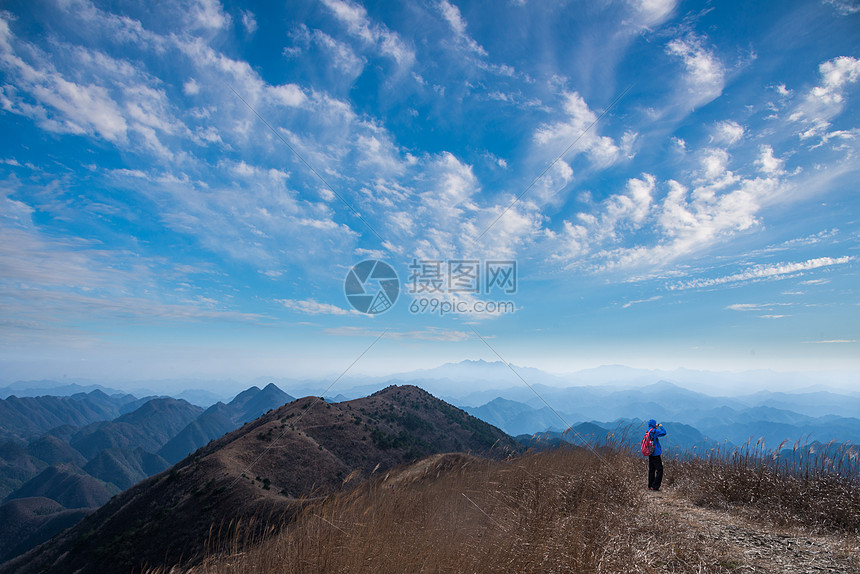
(652, 423)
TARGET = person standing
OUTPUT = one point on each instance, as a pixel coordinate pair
(655, 462)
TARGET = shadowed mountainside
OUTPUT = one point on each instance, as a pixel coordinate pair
(27, 522)
(102, 457)
(68, 485)
(149, 427)
(266, 469)
(221, 418)
(125, 468)
(27, 417)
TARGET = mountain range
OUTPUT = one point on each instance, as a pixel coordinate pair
(62, 457)
(773, 417)
(263, 471)
(59, 454)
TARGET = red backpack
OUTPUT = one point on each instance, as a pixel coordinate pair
(647, 445)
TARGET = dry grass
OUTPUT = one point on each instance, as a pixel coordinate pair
(816, 486)
(556, 511)
(561, 510)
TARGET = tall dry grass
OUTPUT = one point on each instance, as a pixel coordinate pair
(565, 510)
(816, 486)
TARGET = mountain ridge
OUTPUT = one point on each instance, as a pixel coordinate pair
(264, 468)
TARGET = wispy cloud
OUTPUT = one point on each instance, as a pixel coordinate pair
(760, 272)
(455, 19)
(755, 306)
(313, 307)
(65, 307)
(373, 34)
(249, 21)
(578, 117)
(637, 301)
(653, 12)
(826, 100)
(727, 133)
(429, 334)
(845, 7)
(705, 73)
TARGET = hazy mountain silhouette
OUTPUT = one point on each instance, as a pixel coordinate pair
(517, 418)
(53, 388)
(735, 419)
(624, 432)
(149, 427)
(221, 418)
(262, 469)
(27, 417)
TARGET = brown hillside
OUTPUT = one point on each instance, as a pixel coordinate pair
(265, 469)
(563, 510)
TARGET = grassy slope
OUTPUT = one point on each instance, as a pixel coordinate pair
(564, 510)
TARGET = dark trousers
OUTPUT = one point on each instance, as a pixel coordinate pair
(655, 472)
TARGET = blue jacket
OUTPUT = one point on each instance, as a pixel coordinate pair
(656, 433)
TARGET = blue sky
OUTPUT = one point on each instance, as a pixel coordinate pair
(184, 186)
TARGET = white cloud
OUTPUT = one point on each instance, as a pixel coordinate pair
(343, 57)
(826, 100)
(638, 301)
(620, 212)
(727, 133)
(557, 136)
(313, 307)
(756, 306)
(767, 163)
(249, 21)
(452, 15)
(845, 7)
(653, 12)
(287, 94)
(760, 272)
(191, 88)
(209, 14)
(705, 76)
(110, 98)
(355, 17)
(836, 74)
(60, 105)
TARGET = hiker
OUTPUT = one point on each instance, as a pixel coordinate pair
(655, 463)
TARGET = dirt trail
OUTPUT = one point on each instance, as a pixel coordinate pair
(718, 541)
